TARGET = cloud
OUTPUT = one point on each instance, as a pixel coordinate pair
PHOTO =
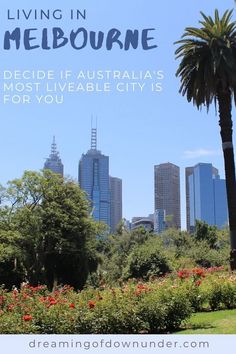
(194, 154)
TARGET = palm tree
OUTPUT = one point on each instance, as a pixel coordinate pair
(208, 74)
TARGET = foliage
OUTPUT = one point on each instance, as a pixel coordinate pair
(147, 260)
(46, 227)
(208, 73)
(158, 306)
(208, 58)
(222, 294)
(205, 232)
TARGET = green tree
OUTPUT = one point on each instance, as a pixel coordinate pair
(205, 232)
(57, 234)
(146, 260)
(208, 73)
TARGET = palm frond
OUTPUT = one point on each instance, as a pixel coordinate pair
(208, 58)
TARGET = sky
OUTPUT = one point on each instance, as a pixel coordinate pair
(136, 129)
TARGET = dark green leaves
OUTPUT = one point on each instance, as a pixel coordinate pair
(208, 58)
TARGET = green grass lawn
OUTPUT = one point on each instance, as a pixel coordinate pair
(219, 322)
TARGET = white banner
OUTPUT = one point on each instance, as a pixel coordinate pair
(164, 344)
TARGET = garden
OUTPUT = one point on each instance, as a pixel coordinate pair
(62, 273)
(161, 305)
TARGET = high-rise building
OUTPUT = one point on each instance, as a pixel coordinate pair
(94, 180)
(159, 221)
(116, 202)
(167, 192)
(53, 162)
(188, 172)
(207, 196)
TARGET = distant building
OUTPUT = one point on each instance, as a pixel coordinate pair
(142, 221)
(116, 202)
(159, 221)
(167, 192)
(94, 180)
(53, 162)
(188, 172)
(207, 196)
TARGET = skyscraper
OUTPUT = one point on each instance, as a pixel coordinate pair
(159, 220)
(188, 172)
(116, 202)
(207, 196)
(53, 162)
(94, 180)
(167, 192)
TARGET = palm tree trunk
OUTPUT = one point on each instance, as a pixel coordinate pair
(224, 99)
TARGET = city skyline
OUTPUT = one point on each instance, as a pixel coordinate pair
(138, 129)
(115, 187)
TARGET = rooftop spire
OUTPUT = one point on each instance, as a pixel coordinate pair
(93, 135)
(54, 146)
(94, 139)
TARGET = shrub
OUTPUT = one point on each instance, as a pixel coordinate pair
(147, 260)
(222, 294)
(164, 310)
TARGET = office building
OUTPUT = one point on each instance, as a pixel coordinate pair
(159, 221)
(94, 180)
(207, 196)
(116, 202)
(142, 221)
(188, 172)
(167, 192)
(53, 162)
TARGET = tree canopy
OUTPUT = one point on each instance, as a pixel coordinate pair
(47, 231)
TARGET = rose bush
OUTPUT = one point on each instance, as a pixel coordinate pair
(159, 305)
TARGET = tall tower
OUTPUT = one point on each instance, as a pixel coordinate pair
(53, 162)
(207, 196)
(94, 180)
(188, 172)
(116, 201)
(167, 192)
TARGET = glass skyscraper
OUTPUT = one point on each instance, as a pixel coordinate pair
(94, 180)
(207, 196)
(159, 221)
(188, 172)
(53, 162)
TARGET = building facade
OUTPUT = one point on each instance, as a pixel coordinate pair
(94, 180)
(207, 196)
(142, 221)
(189, 172)
(116, 202)
(53, 162)
(167, 192)
(159, 221)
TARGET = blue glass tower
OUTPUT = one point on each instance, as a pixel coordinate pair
(207, 196)
(94, 180)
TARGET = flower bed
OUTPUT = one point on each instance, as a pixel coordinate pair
(158, 306)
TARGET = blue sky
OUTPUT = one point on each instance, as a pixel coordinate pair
(137, 130)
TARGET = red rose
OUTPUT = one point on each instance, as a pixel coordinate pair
(91, 304)
(27, 317)
(72, 306)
